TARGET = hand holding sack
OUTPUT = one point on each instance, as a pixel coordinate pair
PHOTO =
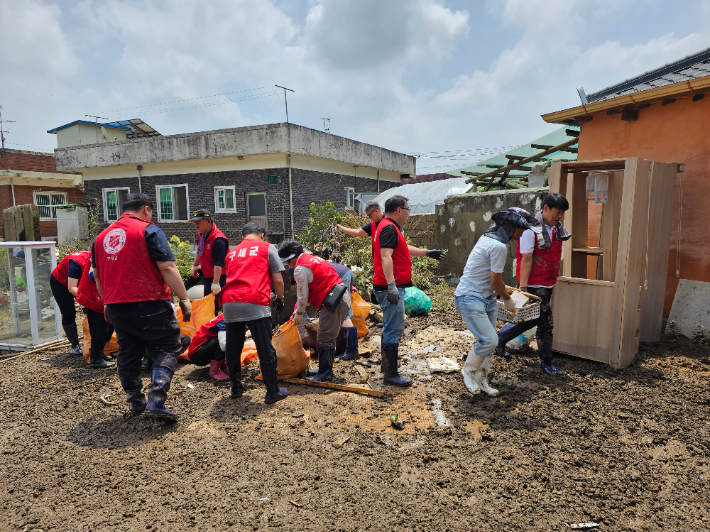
(216, 289)
(279, 305)
(186, 308)
(298, 318)
(193, 272)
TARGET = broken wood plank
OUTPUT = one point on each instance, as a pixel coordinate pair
(340, 387)
(364, 375)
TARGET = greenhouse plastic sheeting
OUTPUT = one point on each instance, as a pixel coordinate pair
(423, 197)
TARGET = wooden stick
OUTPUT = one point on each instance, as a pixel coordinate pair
(341, 387)
(50, 345)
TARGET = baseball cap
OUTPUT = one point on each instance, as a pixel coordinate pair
(201, 214)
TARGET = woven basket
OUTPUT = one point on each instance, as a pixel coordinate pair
(528, 313)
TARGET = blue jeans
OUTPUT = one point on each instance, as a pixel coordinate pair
(479, 315)
(348, 279)
(392, 317)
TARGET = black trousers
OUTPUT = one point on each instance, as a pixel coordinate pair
(261, 334)
(207, 353)
(65, 301)
(99, 329)
(160, 333)
(208, 290)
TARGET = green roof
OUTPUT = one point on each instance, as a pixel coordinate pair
(526, 150)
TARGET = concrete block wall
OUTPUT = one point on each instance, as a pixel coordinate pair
(422, 229)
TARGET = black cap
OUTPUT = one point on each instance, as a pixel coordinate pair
(201, 214)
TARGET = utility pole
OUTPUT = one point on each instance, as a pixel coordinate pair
(2, 131)
(326, 127)
(285, 100)
(97, 124)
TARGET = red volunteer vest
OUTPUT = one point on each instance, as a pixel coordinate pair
(248, 277)
(546, 263)
(61, 272)
(204, 335)
(324, 278)
(88, 295)
(206, 259)
(401, 259)
(126, 271)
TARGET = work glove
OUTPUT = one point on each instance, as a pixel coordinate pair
(186, 307)
(509, 305)
(279, 304)
(193, 272)
(298, 318)
(216, 289)
(435, 254)
(392, 294)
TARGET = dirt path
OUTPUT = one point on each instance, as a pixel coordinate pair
(625, 449)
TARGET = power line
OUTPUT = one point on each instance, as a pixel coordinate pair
(33, 147)
(499, 149)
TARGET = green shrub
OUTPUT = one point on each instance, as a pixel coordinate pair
(183, 259)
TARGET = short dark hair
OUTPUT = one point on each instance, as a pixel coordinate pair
(253, 228)
(135, 201)
(395, 202)
(556, 201)
(371, 206)
(290, 247)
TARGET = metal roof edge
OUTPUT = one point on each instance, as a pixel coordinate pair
(85, 122)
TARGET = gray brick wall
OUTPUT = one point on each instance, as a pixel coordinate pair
(308, 187)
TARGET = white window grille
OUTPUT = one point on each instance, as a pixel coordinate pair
(224, 199)
(47, 201)
(172, 203)
(113, 202)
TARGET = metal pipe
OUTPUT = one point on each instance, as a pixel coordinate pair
(290, 195)
(139, 168)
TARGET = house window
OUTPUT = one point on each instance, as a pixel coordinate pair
(113, 202)
(224, 199)
(256, 208)
(46, 202)
(172, 203)
(349, 197)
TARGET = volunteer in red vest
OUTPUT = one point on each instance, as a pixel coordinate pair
(135, 271)
(252, 267)
(87, 295)
(392, 258)
(537, 268)
(212, 248)
(208, 347)
(373, 211)
(70, 266)
(318, 285)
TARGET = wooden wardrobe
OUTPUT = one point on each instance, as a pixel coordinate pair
(609, 295)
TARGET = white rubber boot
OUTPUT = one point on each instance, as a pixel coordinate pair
(469, 368)
(481, 378)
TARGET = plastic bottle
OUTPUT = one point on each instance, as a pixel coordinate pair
(524, 338)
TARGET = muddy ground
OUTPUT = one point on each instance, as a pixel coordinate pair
(625, 449)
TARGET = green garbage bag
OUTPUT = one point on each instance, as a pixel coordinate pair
(416, 302)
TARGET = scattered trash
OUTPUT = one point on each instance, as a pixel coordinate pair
(442, 365)
(439, 417)
(583, 526)
(295, 504)
(45, 359)
(48, 383)
(190, 385)
(339, 444)
(104, 400)
(396, 422)
(267, 498)
(372, 384)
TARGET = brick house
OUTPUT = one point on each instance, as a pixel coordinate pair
(269, 173)
(31, 177)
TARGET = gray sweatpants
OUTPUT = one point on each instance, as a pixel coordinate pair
(329, 322)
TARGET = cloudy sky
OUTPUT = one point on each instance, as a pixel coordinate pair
(417, 76)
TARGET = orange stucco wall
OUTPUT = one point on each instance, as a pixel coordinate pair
(679, 133)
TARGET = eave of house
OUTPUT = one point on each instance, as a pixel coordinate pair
(676, 90)
(40, 179)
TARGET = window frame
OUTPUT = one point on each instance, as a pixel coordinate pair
(172, 198)
(266, 208)
(48, 193)
(350, 197)
(234, 199)
(104, 191)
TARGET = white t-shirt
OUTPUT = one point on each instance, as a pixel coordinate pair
(527, 245)
(487, 256)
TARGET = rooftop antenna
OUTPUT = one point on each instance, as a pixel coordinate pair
(285, 100)
(2, 131)
(97, 124)
(326, 124)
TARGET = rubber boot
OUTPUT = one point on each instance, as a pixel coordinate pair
(472, 363)
(481, 377)
(73, 337)
(158, 393)
(389, 358)
(351, 352)
(216, 371)
(269, 371)
(134, 395)
(235, 378)
(98, 361)
(326, 353)
(548, 367)
(505, 335)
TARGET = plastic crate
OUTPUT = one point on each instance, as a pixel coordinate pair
(528, 313)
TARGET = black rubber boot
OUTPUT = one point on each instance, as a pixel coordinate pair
(234, 370)
(389, 360)
(351, 352)
(158, 393)
(134, 395)
(326, 354)
(73, 337)
(98, 361)
(269, 371)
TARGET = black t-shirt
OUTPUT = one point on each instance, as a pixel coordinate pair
(219, 251)
(369, 227)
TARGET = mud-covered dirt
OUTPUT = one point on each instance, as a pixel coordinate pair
(626, 449)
